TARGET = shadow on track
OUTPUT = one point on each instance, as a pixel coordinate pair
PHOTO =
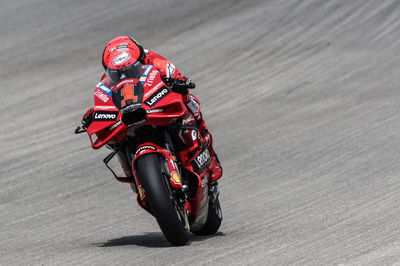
(149, 239)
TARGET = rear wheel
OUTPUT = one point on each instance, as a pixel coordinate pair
(214, 219)
(170, 217)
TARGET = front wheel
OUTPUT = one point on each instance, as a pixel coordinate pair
(162, 203)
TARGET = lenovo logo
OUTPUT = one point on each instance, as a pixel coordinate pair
(105, 116)
(157, 96)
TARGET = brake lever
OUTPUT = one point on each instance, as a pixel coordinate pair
(184, 85)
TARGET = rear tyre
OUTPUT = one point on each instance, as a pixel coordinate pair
(214, 219)
(162, 203)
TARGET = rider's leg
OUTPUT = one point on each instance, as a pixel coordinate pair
(193, 105)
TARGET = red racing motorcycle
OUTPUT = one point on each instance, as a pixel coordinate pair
(139, 119)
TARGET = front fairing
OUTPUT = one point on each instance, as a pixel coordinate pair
(130, 103)
(150, 96)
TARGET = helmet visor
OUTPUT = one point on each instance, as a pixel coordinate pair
(132, 71)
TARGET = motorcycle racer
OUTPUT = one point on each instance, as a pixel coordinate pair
(123, 58)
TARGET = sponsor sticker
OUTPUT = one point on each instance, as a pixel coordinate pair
(189, 120)
(201, 160)
(125, 81)
(101, 95)
(141, 192)
(123, 47)
(193, 105)
(145, 147)
(150, 78)
(154, 89)
(176, 178)
(147, 70)
(120, 59)
(104, 88)
(105, 116)
(152, 111)
(157, 96)
(131, 108)
(170, 70)
(115, 125)
(194, 134)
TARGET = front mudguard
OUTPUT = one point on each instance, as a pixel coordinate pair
(169, 167)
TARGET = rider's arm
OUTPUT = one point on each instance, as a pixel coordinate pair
(167, 69)
(169, 72)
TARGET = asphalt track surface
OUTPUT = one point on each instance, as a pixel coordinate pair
(302, 98)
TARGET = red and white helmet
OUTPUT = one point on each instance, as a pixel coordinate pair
(122, 58)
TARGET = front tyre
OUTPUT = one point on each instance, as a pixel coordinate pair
(162, 202)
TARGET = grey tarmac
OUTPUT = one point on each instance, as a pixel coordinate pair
(302, 98)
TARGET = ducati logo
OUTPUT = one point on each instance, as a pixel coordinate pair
(120, 59)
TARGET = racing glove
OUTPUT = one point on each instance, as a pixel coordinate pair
(180, 85)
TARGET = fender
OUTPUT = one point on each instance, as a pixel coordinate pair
(170, 168)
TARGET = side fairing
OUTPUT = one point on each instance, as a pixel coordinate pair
(162, 105)
(102, 95)
(106, 121)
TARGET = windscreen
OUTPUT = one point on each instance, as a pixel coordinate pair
(132, 71)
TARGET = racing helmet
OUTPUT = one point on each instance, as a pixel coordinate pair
(122, 58)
